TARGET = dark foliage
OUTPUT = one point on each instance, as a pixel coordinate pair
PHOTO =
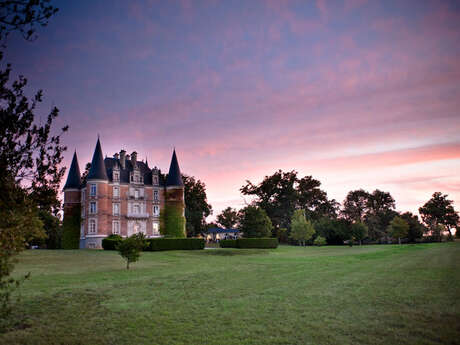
(335, 231)
(228, 244)
(255, 222)
(111, 242)
(439, 211)
(228, 218)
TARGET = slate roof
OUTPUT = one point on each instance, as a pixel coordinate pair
(111, 163)
(73, 179)
(98, 169)
(174, 175)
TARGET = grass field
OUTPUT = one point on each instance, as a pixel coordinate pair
(392, 294)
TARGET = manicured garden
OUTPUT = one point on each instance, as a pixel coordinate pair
(381, 294)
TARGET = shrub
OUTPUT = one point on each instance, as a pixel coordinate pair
(111, 242)
(319, 241)
(257, 243)
(228, 244)
(156, 244)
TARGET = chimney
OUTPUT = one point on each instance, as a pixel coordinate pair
(115, 156)
(123, 159)
(134, 158)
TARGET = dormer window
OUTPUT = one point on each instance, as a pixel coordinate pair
(92, 190)
(155, 180)
(116, 176)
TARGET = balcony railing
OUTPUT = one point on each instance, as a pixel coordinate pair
(137, 215)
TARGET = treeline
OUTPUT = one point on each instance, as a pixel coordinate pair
(369, 217)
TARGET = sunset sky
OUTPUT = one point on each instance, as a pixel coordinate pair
(359, 94)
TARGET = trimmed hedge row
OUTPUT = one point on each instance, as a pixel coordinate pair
(228, 244)
(156, 244)
(250, 243)
(111, 243)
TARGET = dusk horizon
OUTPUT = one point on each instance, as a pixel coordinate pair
(357, 94)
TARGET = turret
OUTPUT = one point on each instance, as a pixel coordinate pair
(72, 199)
(72, 186)
(173, 219)
(98, 170)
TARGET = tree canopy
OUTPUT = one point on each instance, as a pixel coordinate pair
(283, 192)
(439, 210)
(196, 206)
(228, 218)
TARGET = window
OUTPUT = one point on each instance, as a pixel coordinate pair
(92, 226)
(92, 207)
(116, 227)
(136, 193)
(155, 180)
(132, 179)
(82, 230)
(83, 211)
(136, 209)
(116, 209)
(116, 176)
(156, 229)
(156, 210)
(83, 192)
(116, 192)
(93, 190)
(155, 195)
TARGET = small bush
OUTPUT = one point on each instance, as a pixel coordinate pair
(228, 244)
(156, 244)
(257, 242)
(111, 242)
(319, 241)
(130, 248)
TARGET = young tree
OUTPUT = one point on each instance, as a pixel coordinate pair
(398, 228)
(131, 247)
(301, 229)
(440, 211)
(359, 232)
(255, 222)
(228, 218)
(319, 241)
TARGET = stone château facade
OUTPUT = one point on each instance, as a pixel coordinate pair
(121, 195)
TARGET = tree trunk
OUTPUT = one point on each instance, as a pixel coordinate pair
(399, 240)
(360, 242)
(127, 264)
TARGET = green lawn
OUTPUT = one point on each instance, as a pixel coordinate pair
(392, 294)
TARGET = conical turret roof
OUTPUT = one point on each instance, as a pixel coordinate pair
(174, 175)
(74, 178)
(98, 170)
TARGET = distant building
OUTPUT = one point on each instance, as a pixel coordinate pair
(121, 195)
(215, 234)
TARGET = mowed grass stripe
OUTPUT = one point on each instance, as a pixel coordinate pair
(369, 295)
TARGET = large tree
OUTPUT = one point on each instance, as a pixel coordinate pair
(228, 218)
(375, 209)
(439, 210)
(283, 192)
(30, 151)
(196, 206)
(416, 229)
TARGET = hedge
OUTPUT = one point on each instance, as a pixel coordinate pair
(228, 244)
(156, 244)
(257, 242)
(111, 242)
(250, 243)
